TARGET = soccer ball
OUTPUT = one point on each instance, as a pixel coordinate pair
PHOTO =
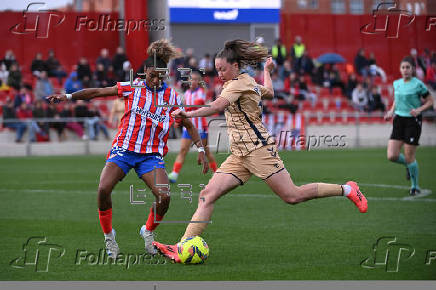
(193, 250)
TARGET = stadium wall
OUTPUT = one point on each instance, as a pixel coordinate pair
(342, 34)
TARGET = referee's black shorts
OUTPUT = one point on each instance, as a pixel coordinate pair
(407, 129)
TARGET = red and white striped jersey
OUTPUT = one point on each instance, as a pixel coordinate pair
(145, 125)
(196, 97)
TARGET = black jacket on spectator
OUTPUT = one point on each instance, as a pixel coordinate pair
(117, 62)
(14, 79)
(83, 70)
(39, 65)
(360, 62)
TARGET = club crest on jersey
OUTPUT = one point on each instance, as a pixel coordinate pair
(150, 115)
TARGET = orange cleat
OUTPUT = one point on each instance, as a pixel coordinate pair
(357, 197)
(169, 251)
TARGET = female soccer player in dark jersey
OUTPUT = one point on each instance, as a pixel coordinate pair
(411, 98)
(194, 96)
(141, 141)
(253, 150)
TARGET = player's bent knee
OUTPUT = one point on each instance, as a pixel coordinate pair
(392, 157)
(104, 191)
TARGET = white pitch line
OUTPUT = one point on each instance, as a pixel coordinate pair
(424, 192)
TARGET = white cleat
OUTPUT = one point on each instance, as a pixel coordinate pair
(112, 248)
(148, 240)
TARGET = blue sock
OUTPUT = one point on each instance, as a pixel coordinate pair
(414, 172)
(401, 159)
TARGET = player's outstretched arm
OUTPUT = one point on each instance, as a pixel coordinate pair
(197, 141)
(267, 82)
(215, 107)
(85, 94)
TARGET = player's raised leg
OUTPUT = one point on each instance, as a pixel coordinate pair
(157, 181)
(281, 183)
(185, 143)
(412, 166)
(218, 186)
(395, 155)
(110, 176)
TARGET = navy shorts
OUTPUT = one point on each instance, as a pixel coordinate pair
(142, 163)
(185, 134)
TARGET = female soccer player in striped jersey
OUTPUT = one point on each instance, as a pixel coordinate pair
(253, 150)
(141, 141)
(194, 96)
(407, 108)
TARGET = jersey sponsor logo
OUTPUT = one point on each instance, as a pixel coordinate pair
(150, 115)
(257, 90)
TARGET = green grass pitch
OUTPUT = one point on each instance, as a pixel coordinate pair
(253, 234)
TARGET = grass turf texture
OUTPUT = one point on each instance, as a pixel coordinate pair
(253, 235)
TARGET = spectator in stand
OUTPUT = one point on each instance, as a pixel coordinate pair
(193, 63)
(279, 52)
(40, 112)
(375, 101)
(4, 73)
(83, 69)
(188, 55)
(318, 76)
(360, 98)
(23, 97)
(125, 76)
(292, 85)
(307, 66)
(117, 62)
(95, 123)
(38, 65)
(333, 79)
(104, 59)
(67, 112)
(43, 87)
(8, 114)
(100, 76)
(207, 64)
(9, 59)
(361, 63)
(54, 67)
(431, 75)
(14, 78)
(297, 51)
(287, 69)
(53, 112)
(87, 82)
(81, 111)
(279, 86)
(351, 84)
(419, 63)
(177, 63)
(24, 113)
(73, 84)
(111, 78)
(305, 92)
